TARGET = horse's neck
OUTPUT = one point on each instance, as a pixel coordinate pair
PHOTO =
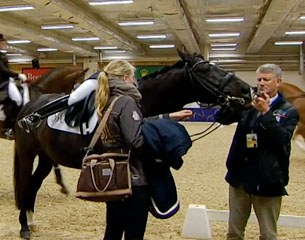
(291, 93)
(35, 91)
(165, 92)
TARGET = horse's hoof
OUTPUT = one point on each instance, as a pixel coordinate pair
(33, 227)
(25, 234)
(64, 190)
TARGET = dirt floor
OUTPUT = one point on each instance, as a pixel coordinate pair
(199, 181)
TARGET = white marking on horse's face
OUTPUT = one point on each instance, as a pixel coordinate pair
(2, 114)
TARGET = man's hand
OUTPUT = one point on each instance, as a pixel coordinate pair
(261, 103)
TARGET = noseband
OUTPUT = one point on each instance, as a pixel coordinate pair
(222, 98)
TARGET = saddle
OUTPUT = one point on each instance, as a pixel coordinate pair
(81, 112)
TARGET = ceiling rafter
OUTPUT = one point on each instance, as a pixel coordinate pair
(275, 15)
(175, 16)
(33, 33)
(70, 11)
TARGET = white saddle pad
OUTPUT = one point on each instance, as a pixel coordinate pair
(57, 121)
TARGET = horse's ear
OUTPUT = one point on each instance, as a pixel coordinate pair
(181, 54)
(186, 57)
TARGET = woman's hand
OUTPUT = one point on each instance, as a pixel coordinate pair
(181, 115)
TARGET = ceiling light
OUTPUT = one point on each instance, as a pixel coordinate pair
(47, 49)
(223, 49)
(57, 26)
(155, 36)
(223, 44)
(162, 46)
(109, 2)
(3, 51)
(13, 54)
(114, 51)
(17, 41)
(136, 23)
(295, 32)
(232, 34)
(219, 20)
(105, 47)
(15, 8)
(20, 60)
(76, 39)
(302, 17)
(281, 43)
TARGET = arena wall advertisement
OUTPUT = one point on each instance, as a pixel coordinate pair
(34, 73)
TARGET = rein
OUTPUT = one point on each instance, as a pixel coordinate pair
(205, 132)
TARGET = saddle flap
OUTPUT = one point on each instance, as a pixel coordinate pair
(81, 112)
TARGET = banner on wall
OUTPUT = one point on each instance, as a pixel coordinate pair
(201, 114)
(34, 73)
(142, 71)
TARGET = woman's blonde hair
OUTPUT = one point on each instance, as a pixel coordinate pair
(114, 69)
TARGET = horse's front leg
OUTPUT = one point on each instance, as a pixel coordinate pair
(25, 230)
(26, 217)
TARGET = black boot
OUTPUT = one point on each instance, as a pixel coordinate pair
(31, 121)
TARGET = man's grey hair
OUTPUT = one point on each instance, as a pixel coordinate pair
(270, 68)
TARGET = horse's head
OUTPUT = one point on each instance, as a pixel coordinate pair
(219, 86)
(61, 79)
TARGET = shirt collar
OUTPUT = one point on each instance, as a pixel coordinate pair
(273, 99)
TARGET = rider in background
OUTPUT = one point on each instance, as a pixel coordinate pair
(8, 85)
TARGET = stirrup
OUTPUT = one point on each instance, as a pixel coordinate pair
(8, 133)
(28, 125)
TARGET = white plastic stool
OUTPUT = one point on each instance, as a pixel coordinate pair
(196, 223)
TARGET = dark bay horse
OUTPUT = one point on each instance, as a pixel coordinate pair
(189, 80)
(57, 80)
(296, 97)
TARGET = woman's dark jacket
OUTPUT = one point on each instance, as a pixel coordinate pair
(263, 170)
(5, 72)
(123, 133)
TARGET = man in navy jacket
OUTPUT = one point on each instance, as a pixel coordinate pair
(258, 160)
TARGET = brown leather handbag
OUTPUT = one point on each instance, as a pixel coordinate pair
(104, 177)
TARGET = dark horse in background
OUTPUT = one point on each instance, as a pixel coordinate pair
(189, 80)
(57, 80)
(296, 97)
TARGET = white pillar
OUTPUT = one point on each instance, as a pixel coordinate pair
(74, 59)
(301, 62)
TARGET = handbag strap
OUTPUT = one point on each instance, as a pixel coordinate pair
(101, 126)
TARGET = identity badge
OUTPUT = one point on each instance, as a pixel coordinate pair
(251, 140)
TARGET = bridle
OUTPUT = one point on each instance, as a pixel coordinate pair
(224, 100)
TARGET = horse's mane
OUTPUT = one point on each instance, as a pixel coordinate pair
(178, 64)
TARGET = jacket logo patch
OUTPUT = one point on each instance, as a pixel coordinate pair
(279, 114)
(135, 116)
